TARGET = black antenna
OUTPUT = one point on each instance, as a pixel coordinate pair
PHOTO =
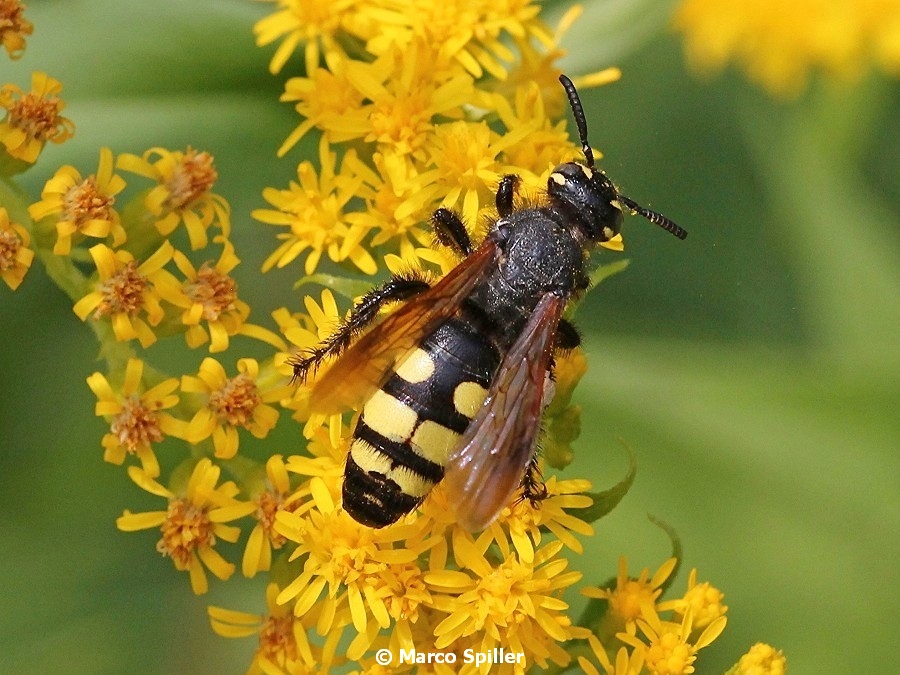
(581, 123)
(654, 217)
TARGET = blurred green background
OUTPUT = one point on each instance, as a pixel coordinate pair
(754, 368)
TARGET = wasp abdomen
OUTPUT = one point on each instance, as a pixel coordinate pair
(409, 426)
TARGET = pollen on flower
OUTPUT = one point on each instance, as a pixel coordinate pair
(13, 27)
(761, 659)
(215, 291)
(122, 293)
(10, 245)
(704, 601)
(32, 118)
(186, 529)
(268, 503)
(84, 202)
(15, 255)
(236, 401)
(193, 177)
(276, 639)
(137, 425)
(630, 595)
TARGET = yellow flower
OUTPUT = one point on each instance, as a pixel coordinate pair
(13, 27)
(351, 563)
(527, 523)
(283, 645)
(82, 206)
(15, 255)
(301, 21)
(271, 499)
(327, 101)
(193, 522)
(230, 403)
(126, 289)
(668, 649)
(313, 210)
(209, 296)
(184, 191)
(626, 664)
(762, 659)
(778, 43)
(512, 604)
(473, 34)
(136, 420)
(703, 600)
(32, 118)
(630, 595)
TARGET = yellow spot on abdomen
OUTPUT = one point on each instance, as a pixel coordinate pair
(389, 417)
(372, 460)
(368, 458)
(417, 367)
(468, 397)
(434, 441)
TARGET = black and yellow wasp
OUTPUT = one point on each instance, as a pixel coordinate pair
(454, 382)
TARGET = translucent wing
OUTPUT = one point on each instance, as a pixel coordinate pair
(363, 367)
(487, 466)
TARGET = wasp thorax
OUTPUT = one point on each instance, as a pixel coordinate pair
(588, 198)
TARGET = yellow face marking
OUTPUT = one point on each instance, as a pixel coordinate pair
(587, 171)
(558, 178)
(417, 367)
(389, 417)
(616, 204)
(468, 397)
(434, 441)
(372, 460)
(608, 232)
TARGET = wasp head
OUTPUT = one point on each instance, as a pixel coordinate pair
(588, 198)
(587, 195)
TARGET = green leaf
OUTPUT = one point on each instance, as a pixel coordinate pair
(607, 500)
(349, 288)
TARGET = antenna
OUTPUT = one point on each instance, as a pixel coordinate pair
(581, 123)
(654, 217)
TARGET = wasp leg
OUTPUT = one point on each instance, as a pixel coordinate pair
(363, 314)
(450, 231)
(533, 487)
(506, 194)
(567, 336)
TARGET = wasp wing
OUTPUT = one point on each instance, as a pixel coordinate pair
(487, 466)
(363, 367)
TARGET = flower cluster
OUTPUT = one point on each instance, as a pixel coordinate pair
(777, 44)
(417, 105)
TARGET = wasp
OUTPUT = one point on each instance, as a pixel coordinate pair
(452, 385)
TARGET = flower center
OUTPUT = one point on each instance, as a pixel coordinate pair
(193, 177)
(669, 656)
(276, 639)
(136, 426)
(217, 292)
(37, 117)
(267, 506)
(10, 243)
(185, 529)
(122, 293)
(84, 202)
(236, 401)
